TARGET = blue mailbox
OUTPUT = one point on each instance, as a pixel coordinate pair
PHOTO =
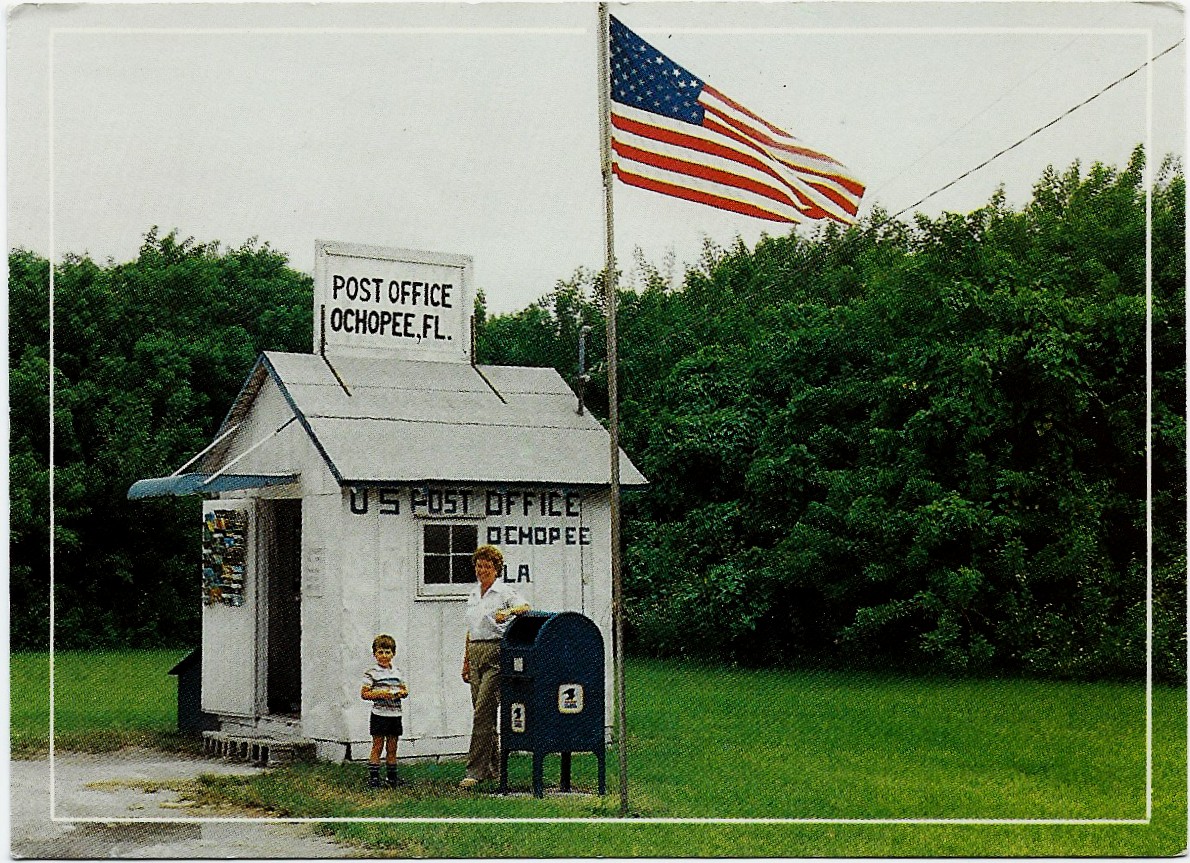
(552, 692)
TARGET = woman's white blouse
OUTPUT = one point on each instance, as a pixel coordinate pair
(481, 626)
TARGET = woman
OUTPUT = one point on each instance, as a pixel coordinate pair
(491, 606)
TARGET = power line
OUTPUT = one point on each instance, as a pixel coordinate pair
(1035, 132)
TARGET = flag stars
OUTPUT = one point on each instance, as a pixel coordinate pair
(645, 78)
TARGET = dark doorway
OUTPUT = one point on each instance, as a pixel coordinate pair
(285, 608)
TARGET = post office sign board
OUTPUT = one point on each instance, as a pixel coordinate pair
(374, 301)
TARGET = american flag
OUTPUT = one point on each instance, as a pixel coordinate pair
(675, 134)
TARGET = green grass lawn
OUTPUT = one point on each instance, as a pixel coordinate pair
(723, 743)
(103, 700)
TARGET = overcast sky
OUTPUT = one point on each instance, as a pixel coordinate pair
(473, 129)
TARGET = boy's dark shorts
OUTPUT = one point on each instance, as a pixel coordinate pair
(385, 726)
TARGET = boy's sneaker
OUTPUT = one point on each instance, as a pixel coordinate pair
(374, 778)
(393, 780)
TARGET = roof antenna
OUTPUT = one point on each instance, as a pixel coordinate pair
(583, 377)
(322, 347)
(478, 370)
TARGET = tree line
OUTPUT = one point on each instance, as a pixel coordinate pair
(148, 357)
(916, 444)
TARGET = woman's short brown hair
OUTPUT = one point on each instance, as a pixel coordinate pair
(491, 554)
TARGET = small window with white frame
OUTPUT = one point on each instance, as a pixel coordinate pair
(446, 567)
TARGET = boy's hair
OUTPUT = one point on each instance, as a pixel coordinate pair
(386, 641)
(491, 554)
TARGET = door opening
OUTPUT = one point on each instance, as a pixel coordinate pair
(284, 627)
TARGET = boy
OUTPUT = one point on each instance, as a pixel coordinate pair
(385, 689)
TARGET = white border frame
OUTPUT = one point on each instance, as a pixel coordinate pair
(940, 31)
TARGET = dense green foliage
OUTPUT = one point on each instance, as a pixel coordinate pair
(911, 444)
(148, 357)
(907, 444)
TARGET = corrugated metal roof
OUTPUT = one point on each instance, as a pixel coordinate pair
(413, 421)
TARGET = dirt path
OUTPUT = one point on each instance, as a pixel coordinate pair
(104, 786)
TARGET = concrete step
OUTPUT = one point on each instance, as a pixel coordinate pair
(261, 751)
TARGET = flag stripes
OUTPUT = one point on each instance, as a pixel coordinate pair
(789, 150)
(699, 196)
(666, 146)
(833, 179)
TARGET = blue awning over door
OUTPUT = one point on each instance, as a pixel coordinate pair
(201, 483)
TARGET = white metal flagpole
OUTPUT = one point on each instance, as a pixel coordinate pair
(613, 406)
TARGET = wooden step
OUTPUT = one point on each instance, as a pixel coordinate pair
(261, 751)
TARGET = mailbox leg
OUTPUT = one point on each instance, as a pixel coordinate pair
(538, 783)
(503, 771)
(564, 781)
(601, 755)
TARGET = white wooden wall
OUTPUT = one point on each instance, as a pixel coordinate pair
(380, 576)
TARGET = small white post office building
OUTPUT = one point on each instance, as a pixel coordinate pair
(347, 488)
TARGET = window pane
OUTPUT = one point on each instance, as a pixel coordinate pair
(437, 569)
(462, 570)
(437, 539)
(466, 538)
